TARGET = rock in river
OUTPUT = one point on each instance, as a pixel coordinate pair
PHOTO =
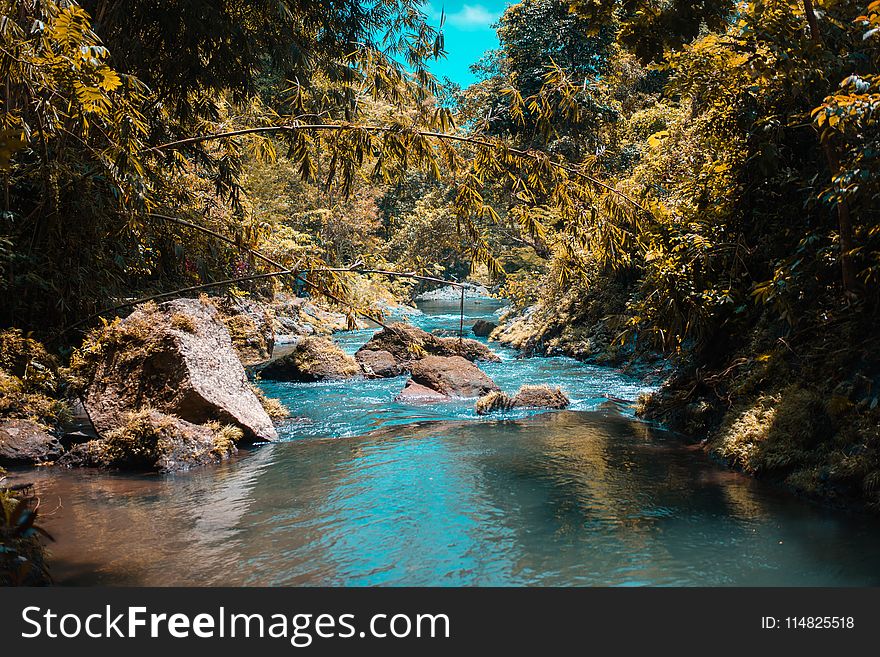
(415, 393)
(483, 328)
(527, 397)
(406, 344)
(377, 364)
(541, 397)
(176, 358)
(23, 442)
(452, 376)
(472, 350)
(312, 359)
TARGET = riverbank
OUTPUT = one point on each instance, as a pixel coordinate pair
(800, 409)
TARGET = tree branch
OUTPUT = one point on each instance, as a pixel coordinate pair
(473, 141)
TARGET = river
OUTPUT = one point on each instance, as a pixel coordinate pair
(364, 491)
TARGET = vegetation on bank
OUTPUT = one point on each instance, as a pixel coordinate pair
(748, 132)
(22, 552)
(698, 181)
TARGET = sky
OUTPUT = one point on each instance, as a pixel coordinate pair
(467, 32)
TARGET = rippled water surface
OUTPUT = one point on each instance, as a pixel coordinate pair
(364, 491)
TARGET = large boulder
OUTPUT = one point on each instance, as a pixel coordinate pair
(153, 441)
(312, 359)
(378, 364)
(23, 442)
(407, 343)
(452, 376)
(483, 328)
(527, 397)
(250, 327)
(176, 358)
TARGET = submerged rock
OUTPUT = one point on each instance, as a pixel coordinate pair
(452, 376)
(154, 441)
(176, 358)
(406, 344)
(312, 359)
(23, 442)
(250, 328)
(483, 328)
(526, 397)
(378, 364)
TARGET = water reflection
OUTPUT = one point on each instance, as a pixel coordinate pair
(572, 498)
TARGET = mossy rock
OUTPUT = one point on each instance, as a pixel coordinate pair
(407, 343)
(526, 397)
(154, 441)
(312, 359)
(250, 328)
(176, 358)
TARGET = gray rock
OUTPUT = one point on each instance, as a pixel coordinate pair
(23, 442)
(176, 358)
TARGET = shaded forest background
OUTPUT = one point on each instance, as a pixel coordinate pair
(696, 180)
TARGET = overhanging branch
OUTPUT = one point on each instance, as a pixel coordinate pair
(473, 141)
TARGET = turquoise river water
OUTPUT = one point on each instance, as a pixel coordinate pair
(365, 491)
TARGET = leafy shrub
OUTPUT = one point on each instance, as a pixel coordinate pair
(29, 380)
(22, 555)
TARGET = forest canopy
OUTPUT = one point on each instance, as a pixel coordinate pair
(718, 156)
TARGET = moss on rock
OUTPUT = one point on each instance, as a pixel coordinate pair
(154, 441)
(312, 359)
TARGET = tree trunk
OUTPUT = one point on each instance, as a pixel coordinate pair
(844, 224)
(844, 220)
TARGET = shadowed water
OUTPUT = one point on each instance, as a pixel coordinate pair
(367, 492)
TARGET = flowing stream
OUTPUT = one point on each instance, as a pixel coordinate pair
(365, 491)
